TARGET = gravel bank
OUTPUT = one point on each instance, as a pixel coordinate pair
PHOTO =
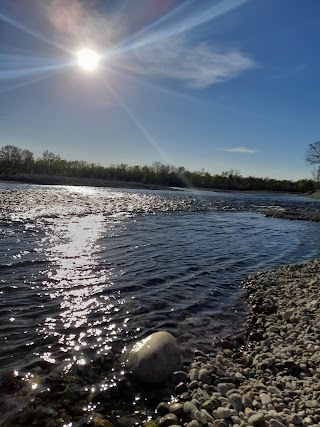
(273, 379)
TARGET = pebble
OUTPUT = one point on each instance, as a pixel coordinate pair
(247, 401)
(176, 408)
(204, 376)
(223, 413)
(236, 401)
(168, 420)
(199, 416)
(265, 399)
(256, 419)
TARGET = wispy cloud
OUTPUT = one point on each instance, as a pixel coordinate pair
(239, 150)
(163, 48)
(196, 66)
(166, 49)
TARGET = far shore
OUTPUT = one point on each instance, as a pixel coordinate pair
(94, 182)
(75, 181)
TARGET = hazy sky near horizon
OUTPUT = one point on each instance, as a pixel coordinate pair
(205, 84)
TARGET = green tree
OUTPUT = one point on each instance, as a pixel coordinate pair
(13, 159)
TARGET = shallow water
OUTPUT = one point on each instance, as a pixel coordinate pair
(84, 271)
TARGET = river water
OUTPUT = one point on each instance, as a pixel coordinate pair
(84, 271)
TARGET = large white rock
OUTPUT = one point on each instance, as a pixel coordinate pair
(154, 358)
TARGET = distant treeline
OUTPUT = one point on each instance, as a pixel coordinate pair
(14, 160)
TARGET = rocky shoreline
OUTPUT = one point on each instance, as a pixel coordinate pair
(268, 375)
(301, 215)
(273, 379)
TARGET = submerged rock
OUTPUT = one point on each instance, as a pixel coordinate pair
(153, 359)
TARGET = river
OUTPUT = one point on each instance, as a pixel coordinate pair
(84, 271)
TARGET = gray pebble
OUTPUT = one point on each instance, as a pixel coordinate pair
(193, 374)
(204, 376)
(256, 419)
(193, 385)
(168, 420)
(189, 407)
(176, 408)
(198, 416)
(247, 401)
(236, 401)
(296, 419)
(223, 413)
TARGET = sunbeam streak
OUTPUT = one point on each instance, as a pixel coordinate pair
(153, 25)
(148, 137)
(17, 66)
(31, 32)
(20, 85)
(25, 72)
(176, 28)
(133, 118)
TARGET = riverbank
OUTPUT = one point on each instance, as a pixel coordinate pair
(274, 378)
(267, 375)
(93, 182)
(75, 181)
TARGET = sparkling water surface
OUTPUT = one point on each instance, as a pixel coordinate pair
(84, 271)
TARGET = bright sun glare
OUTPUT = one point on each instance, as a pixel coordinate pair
(88, 59)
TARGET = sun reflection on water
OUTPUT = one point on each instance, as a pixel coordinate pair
(80, 286)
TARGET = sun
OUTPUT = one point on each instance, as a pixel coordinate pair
(88, 59)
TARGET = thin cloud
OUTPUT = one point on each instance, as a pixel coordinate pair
(196, 66)
(239, 150)
(164, 48)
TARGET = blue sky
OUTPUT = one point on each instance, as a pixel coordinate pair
(205, 84)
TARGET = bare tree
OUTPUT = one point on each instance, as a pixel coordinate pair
(313, 154)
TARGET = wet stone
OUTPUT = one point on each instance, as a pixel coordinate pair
(163, 408)
(193, 385)
(176, 408)
(168, 420)
(204, 376)
(180, 376)
(181, 388)
(194, 374)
